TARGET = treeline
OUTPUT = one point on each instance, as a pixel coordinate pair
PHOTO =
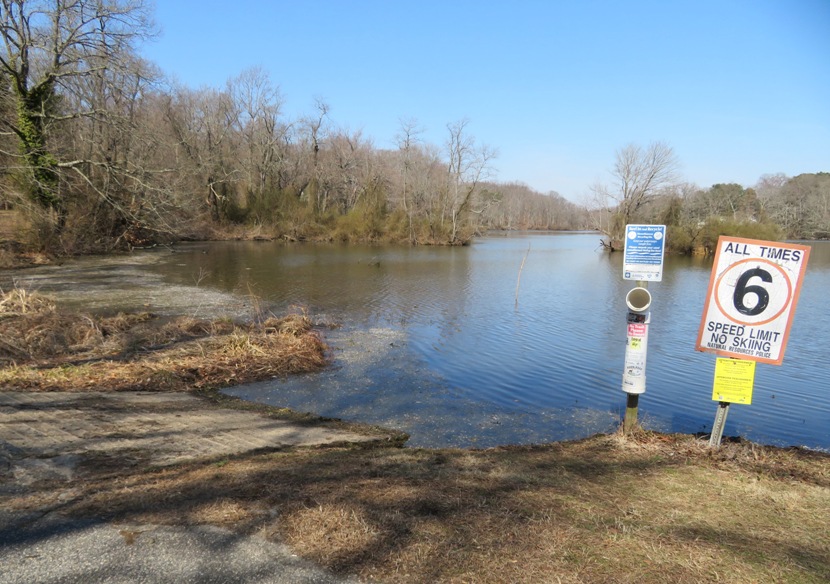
(646, 188)
(99, 152)
(776, 208)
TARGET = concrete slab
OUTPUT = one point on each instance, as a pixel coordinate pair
(46, 435)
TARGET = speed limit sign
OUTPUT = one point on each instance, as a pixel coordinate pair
(753, 291)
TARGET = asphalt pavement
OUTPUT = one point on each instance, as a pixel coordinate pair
(53, 550)
(47, 437)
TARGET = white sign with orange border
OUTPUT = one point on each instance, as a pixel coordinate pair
(753, 292)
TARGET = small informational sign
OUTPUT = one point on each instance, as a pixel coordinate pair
(734, 380)
(753, 292)
(643, 256)
(636, 347)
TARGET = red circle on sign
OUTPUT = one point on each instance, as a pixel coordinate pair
(773, 317)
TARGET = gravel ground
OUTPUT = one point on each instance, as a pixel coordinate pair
(81, 552)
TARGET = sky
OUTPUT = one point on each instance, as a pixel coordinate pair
(738, 88)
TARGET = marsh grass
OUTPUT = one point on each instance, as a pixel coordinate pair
(45, 348)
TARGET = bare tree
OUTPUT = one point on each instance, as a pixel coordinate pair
(50, 49)
(523, 208)
(315, 133)
(468, 165)
(259, 104)
(205, 124)
(639, 175)
(408, 141)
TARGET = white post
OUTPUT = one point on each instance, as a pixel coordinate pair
(636, 347)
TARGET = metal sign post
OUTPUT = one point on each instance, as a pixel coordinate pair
(643, 262)
(720, 423)
(753, 292)
(734, 380)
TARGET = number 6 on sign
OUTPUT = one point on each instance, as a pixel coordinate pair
(743, 297)
(741, 289)
(753, 291)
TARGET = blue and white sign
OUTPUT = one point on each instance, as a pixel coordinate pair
(644, 247)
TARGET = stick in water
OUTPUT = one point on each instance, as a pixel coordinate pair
(519, 279)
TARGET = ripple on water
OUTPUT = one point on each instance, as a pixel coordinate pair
(434, 342)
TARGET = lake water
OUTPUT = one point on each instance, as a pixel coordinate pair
(432, 340)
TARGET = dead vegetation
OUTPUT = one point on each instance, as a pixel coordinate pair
(14, 250)
(45, 348)
(646, 508)
(607, 509)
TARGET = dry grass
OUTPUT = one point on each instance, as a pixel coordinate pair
(21, 302)
(14, 230)
(647, 508)
(602, 510)
(44, 348)
(12, 224)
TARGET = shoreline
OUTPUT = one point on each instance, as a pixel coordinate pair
(607, 508)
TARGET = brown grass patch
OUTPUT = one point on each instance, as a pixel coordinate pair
(647, 508)
(43, 348)
(19, 302)
(12, 224)
(605, 509)
(15, 230)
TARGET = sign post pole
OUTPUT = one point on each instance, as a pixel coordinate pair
(734, 381)
(642, 262)
(753, 293)
(720, 423)
(638, 301)
(632, 405)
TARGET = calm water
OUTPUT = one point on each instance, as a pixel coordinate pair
(432, 341)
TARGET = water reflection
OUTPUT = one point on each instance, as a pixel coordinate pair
(484, 370)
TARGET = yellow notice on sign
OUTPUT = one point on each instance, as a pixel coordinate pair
(734, 379)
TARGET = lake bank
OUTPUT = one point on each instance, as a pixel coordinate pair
(644, 508)
(648, 508)
(444, 353)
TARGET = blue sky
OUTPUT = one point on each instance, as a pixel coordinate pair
(739, 88)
